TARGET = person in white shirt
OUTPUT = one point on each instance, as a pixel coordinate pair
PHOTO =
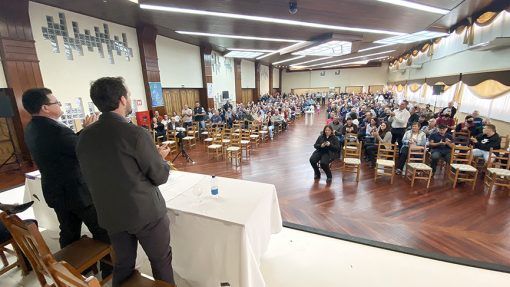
(399, 120)
(187, 117)
(165, 121)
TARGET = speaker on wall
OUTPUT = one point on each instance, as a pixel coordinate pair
(225, 95)
(437, 89)
(6, 110)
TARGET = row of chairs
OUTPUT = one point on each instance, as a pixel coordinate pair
(461, 167)
(65, 267)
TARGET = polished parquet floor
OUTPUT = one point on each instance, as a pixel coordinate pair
(459, 223)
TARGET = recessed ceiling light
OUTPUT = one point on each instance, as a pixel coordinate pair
(351, 58)
(288, 60)
(282, 49)
(134, 1)
(311, 61)
(331, 48)
(373, 48)
(243, 54)
(236, 37)
(411, 38)
(266, 19)
(414, 5)
(251, 50)
(363, 62)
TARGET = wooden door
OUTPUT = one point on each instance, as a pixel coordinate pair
(354, 89)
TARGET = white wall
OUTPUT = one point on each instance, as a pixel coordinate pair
(264, 79)
(223, 76)
(179, 64)
(347, 77)
(247, 74)
(276, 79)
(70, 79)
(464, 62)
(3, 82)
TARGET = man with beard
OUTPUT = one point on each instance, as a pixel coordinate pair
(124, 168)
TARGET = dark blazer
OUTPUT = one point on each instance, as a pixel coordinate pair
(52, 146)
(123, 169)
(332, 150)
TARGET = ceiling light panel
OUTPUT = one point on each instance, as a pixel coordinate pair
(411, 38)
(243, 54)
(417, 6)
(363, 62)
(237, 37)
(265, 19)
(331, 48)
(311, 61)
(251, 50)
(288, 60)
(351, 58)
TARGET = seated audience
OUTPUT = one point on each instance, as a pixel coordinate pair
(430, 128)
(381, 135)
(326, 150)
(414, 136)
(440, 144)
(450, 109)
(447, 120)
(159, 128)
(484, 142)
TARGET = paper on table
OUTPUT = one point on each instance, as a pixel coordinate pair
(178, 183)
(33, 175)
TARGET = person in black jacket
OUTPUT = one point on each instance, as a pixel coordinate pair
(52, 146)
(484, 142)
(124, 175)
(326, 150)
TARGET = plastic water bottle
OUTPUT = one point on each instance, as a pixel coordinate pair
(214, 187)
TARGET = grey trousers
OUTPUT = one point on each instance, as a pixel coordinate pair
(155, 241)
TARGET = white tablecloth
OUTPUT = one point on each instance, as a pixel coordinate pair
(215, 240)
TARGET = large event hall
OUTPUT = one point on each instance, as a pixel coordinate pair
(254, 143)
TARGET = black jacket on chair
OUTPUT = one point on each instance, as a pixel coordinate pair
(123, 169)
(332, 150)
(52, 146)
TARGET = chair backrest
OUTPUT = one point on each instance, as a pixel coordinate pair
(227, 133)
(386, 151)
(499, 158)
(505, 141)
(30, 240)
(461, 155)
(352, 150)
(64, 275)
(351, 137)
(416, 154)
(461, 138)
(235, 140)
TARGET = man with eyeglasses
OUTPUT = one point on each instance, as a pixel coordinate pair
(52, 146)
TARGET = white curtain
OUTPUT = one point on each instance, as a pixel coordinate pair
(498, 28)
(414, 96)
(471, 102)
(501, 108)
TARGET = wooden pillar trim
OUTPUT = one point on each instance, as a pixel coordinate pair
(149, 60)
(257, 82)
(270, 79)
(19, 61)
(205, 58)
(280, 84)
(237, 75)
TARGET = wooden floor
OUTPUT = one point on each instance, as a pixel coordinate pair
(455, 222)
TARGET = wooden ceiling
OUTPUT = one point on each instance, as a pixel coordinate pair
(369, 14)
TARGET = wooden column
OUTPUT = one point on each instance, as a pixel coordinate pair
(205, 57)
(256, 92)
(270, 79)
(149, 60)
(237, 74)
(19, 61)
(280, 86)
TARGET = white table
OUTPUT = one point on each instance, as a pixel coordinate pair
(214, 240)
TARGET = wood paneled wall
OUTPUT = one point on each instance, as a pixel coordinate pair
(149, 60)
(375, 88)
(175, 99)
(353, 89)
(310, 90)
(270, 79)
(256, 92)
(19, 61)
(248, 96)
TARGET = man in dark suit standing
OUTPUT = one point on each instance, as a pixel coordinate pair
(123, 168)
(52, 146)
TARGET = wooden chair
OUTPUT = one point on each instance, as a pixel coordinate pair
(226, 135)
(64, 275)
(246, 143)
(172, 143)
(498, 169)
(352, 158)
(83, 254)
(264, 133)
(16, 251)
(416, 167)
(212, 134)
(254, 136)
(461, 138)
(234, 151)
(190, 139)
(157, 139)
(216, 148)
(385, 162)
(461, 169)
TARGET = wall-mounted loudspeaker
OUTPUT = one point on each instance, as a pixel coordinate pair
(437, 89)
